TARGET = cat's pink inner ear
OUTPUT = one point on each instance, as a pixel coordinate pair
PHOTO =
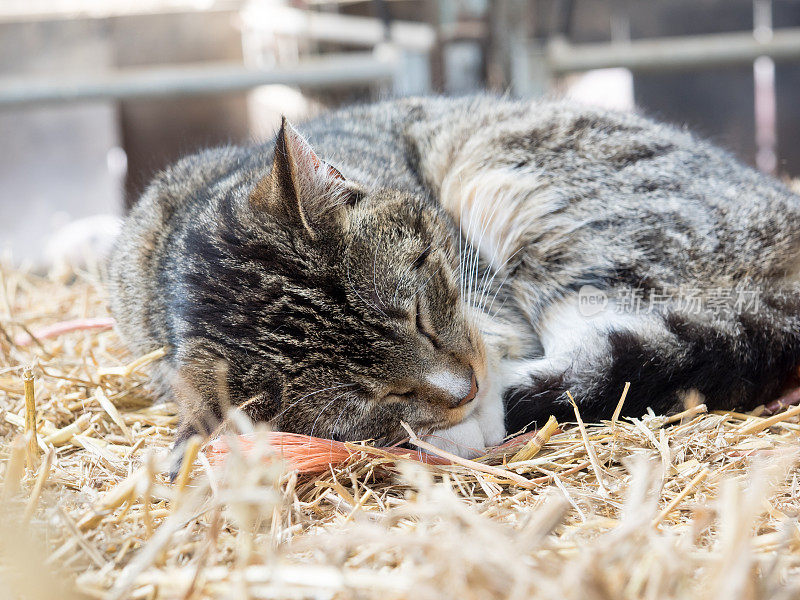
(301, 186)
(305, 162)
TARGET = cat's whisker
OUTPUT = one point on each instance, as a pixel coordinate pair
(486, 286)
(499, 308)
(488, 290)
(482, 285)
(375, 277)
(486, 223)
(471, 291)
(327, 389)
(481, 218)
(466, 272)
(461, 239)
(460, 265)
(502, 283)
(464, 262)
(342, 411)
(324, 408)
(500, 287)
(476, 272)
(474, 261)
(502, 265)
(469, 246)
(468, 256)
(355, 291)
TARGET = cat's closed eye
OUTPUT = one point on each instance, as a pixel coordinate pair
(423, 325)
(420, 260)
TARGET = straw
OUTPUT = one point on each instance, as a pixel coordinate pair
(190, 451)
(36, 492)
(620, 403)
(14, 469)
(280, 515)
(30, 420)
(587, 444)
(679, 498)
(532, 447)
(64, 327)
(761, 425)
(497, 472)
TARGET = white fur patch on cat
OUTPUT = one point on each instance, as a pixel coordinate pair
(497, 209)
(567, 327)
(577, 339)
(450, 383)
(482, 428)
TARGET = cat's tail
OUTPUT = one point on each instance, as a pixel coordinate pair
(736, 354)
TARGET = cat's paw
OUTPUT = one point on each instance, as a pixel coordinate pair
(465, 439)
(483, 428)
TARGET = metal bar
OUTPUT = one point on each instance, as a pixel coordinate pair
(25, 11)
(190, 80)
(343, 29)
(688, 52)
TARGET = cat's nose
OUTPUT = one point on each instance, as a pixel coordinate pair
(452, 387)
(473, 391)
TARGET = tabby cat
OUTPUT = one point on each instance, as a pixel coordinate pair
(460, 264)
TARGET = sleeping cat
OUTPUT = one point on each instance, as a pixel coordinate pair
(459, 264)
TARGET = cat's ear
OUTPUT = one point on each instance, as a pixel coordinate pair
(302, 187)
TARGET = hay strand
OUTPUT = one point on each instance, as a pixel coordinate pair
(679, 498)
(15, 469)
(30, 420)
(112, 499)
(598, 471)
(38, 486)
(471, 464)
(190, 451)
(620, 404)
(537, 442)
(763, 424)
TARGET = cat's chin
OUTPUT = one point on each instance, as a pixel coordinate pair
(482, 428)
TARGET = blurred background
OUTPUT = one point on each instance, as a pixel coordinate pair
(98, 95)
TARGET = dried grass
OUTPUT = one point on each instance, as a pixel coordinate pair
(695, 506)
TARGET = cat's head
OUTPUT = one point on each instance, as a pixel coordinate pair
(372, 329)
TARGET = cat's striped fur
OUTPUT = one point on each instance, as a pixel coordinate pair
(426, 265)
